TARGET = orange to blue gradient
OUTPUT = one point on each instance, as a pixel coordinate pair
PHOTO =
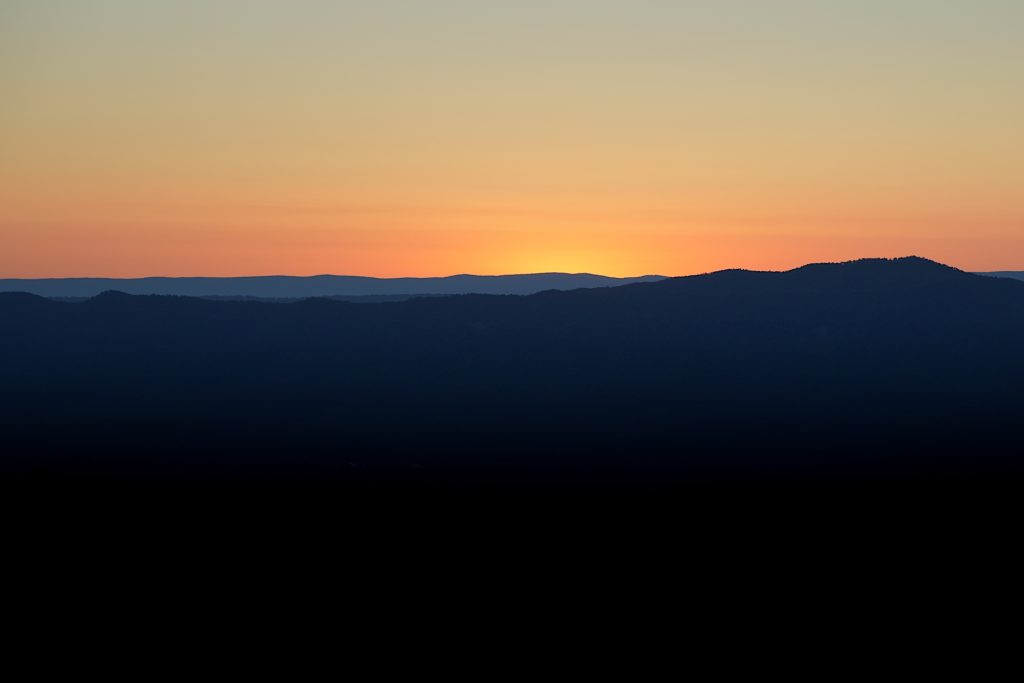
(430, 137)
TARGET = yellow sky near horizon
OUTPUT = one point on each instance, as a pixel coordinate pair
(431, 137)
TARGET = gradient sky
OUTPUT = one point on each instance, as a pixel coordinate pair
(431, 137)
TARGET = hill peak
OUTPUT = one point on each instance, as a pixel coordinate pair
(905, 263)
(881, 271)
(112, 295)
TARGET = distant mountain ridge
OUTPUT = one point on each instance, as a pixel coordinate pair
(293, 287)
(352, 287)
(1014, 274)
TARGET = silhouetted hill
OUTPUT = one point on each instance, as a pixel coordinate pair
(874, 368)
(286, 287)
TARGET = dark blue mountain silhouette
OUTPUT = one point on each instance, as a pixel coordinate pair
(1015, 274)
(867, 369)
(287, 287)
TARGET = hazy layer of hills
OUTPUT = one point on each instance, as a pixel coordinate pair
(356, 289)
(880, 368)
(1016, 275)
(287, 287)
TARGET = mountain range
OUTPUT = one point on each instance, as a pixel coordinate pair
(357, 289)
(878, 368)
(1016, 275)
(288, 287)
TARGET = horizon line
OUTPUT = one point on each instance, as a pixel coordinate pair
(367, 277)
(481, 275)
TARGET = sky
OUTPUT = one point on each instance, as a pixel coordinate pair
(432, 137)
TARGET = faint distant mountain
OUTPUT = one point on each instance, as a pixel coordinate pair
(357, 299)
(289, 287)
(1015, 274)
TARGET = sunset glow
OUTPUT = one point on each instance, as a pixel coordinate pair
(411, 138)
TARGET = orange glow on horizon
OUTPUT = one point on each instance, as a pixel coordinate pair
(393, 138)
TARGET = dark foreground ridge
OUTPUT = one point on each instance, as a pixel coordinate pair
(831, 374)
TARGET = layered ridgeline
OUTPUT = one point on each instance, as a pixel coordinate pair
(1014, 274)
(356, 288)
(890, 367)
(288, 287)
